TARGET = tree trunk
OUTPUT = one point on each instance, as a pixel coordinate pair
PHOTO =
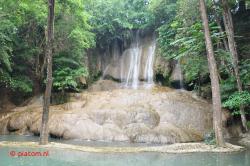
(218, 21)
(232, 47)
(44, 132)
(217, 115)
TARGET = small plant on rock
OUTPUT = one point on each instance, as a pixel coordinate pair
(209, 138)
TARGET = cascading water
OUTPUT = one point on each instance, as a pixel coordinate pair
(178, 75)
(133, 66)
(149, 72)
(135, 62)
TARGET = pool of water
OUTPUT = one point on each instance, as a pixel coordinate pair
(59, 157)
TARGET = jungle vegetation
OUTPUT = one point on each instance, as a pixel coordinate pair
(81, 25)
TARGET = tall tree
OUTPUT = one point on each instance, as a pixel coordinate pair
(49, 48)
(217, 122)
(227, 17)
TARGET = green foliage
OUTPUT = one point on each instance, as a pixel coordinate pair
(230, 97)
(248, 124)
(237, 99)
(183, 39)
(209, 138)
(177, 41)
(194, 68)
(20, 26)
(114, 19)
(227, 87)
(16, 83)
(84, 24)
(67, 78)
(166, 37)
(244, 71)
(21, 84)
(7, 31)
(73, 36)
(163, 11)
(22, 39)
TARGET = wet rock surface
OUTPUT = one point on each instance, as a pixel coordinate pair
(104, 85)
(245, 140)
(156, 115)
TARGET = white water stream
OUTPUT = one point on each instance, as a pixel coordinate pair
(141, 63)
(149, 71)
(135, 64)
(132, 78)
(180, 74)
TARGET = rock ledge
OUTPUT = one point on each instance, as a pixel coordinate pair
(173, 148)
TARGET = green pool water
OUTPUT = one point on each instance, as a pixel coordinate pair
(59, 157)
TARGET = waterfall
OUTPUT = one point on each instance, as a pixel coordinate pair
(179, 74)
(149, 72)
(133, 66)
(135, 63)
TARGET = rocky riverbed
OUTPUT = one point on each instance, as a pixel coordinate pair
(151, 115)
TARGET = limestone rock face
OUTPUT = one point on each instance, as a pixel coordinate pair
(162, 66)
(104, 85)
(124, 61)
(157, 115)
